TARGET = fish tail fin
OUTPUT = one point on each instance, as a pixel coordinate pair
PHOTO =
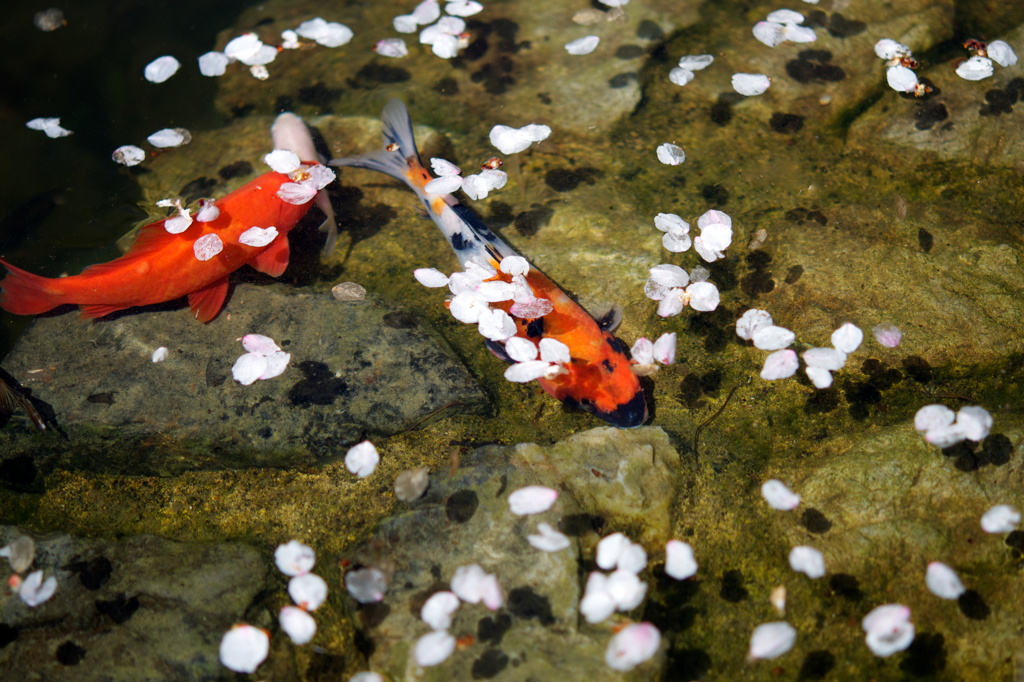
(397, 129)
(23, 293)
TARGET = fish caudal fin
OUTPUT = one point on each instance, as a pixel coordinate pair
(207, 302)
(23, 293)
(397, 129)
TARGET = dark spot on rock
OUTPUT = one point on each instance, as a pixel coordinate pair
(461, 506)
(503, 486)
(687, 664)
(926, 656)
(814, 521)
(804, 71)
(101, 398)
(216, 372)
(233, 170)
(506, 29)
(544, 99)
(265, 432)
(527, 223)
(821, 56)
(18, 472)
(568, 179)
(197, 189)
(242, 110)
(492, 662)
(120, 609)
(629, 52)
(496, 75)
(999, 102)
(622, 80)
(475, 50)
(786, 123)
(715, 195)
(378, 73)
(721, 112)
(798, 214)
(996, 450)
(846, 586)
(841, 27)
(372, 615)
(493, 629)
(319, 95)
(817, 664)
(793, 274)
(818, 217)
(925, 240)
(973, 605)
(1015, 541)
(689, 390)
(400, 320)
(283, 103)
(648, 30)
(1016, 86)
(447, 86)
(732, 586)
(93, 573)
(576, 525)
(816, 18)
(918, 368)
(70, 653)
(523, 602)
(929, 115)
(319, 387)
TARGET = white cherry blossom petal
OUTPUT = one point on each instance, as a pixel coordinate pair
(553, 350)
(887, 334)
(441, 167)
(670, 276)
(943, 581)
(433, 648)
(900, 78)
(670, 154)
(825, 358)
(676, 242)
(161, 68)
(975, 421)
(463, 8)
(520, 349)
(295, 193)
(932, 417)
(391, 47)
(515, 265)
(771, 640)
(889, 49)
(308, 591)
(1000, 519)
(533, 499)
(128, 155)
(243, 47)
(524, 372)
(696, 62)
(446, 184)
(362, 459)
(785, 16)
(770, 33)
(778, 496)
(179, 223)
(584, 45)
(168, 137)
(427, 12)
(294, 558)
(679, 560)
(248, 368)
(672, 304)
(258, 236)
(438, 609)
(208, 213)
(847, 338)
(974, 69)
(277, 363)
(808, 561)
(750, 84)
(1001, 53)
(631, 646)
(282, 160)
(665, 348)
(366, 585)
(773, 337)
(496, 325)
(680, 76)
(704, 296)
(243, 648)
(445, 46)
(430, 277)
(781, 364)
(297, 624)
(549, 540)
(531, 310)
(207, 246)
(751, 322)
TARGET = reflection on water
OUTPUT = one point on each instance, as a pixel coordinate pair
(159, 491)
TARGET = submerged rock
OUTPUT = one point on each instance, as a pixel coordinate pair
(129, 610)
(356, 369)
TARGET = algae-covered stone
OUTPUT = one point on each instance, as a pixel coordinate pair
(608, 480)
(357, 369)
(129, 610)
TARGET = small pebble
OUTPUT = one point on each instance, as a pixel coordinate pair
(410, 485)
(348, 291)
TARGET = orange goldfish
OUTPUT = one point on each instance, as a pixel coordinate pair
(162, 266)
(597, 378)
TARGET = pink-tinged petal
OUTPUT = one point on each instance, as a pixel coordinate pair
(520, 349)
(295, 193)
(259, 344)
(665, 348)
(888, 335)
(672, 304)
(780, 365)
(533, 499)
(207, 246)
(751, 322)
(778, 496)
(258, 236)
(523, 372)
(632, 645)
(642, 351)
(248, 368)
(553, 350)
(243, 648)
(277, 363)
(538, 307)
(366, 585)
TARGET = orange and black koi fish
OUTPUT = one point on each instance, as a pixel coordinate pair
(598, 379)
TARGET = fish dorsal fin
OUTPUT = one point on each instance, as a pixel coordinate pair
(99, 310)
(274, 259)
(207, 302)
(152, 238)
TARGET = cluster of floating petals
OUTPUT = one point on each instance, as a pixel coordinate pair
(264, 360)
(446, 37)
(308, 180)
(533, 499)
(750, 84)
(616, 551)
(677, 232)
(243, 648)
(666, 285)
(888, 629)
(887, 334)
(679, 560)
(328, 34)
(979, 66)
(1001, 518)
(942, 428)
(898, 67)
(646, 356)
(778, 496)
(549, 539)
(808, 561)
(366, 585)
(632, 645)
(670, 154)
(943, 581)
(510, 140)
(474, 586)
(554, 356)
(161, 68)
(50, 126)
(362, 459)
(604, 594)
(782, 26)
(684, 72)
(584, 45)
(169, 137)
(715, 236)
(771, 640)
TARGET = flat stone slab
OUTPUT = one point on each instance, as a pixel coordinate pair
(358, 370)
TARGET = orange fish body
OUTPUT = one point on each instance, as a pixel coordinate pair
(598, 379)
(162, 266)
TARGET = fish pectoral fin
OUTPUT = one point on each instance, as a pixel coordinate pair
(498, 350)
(274, 259)
(608, 316)
(91, 311)
(207, 302)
